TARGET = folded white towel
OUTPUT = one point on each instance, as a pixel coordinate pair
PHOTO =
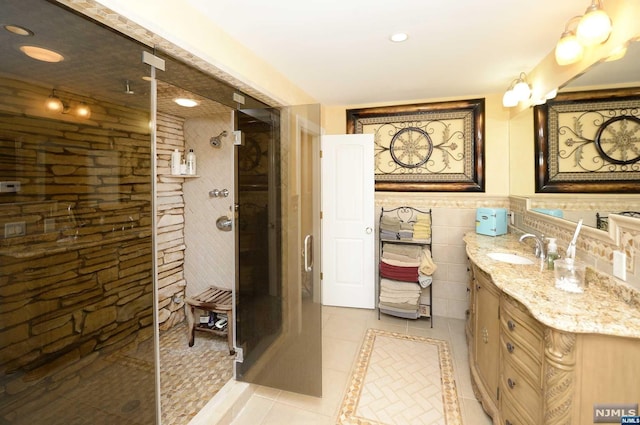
(412, 251)
(400, 263)
(400, 257)
(398, 300)
(398, 285)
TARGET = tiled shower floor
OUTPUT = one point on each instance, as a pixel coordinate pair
(191, 376)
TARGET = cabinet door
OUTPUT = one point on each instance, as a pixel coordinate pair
(486, 338)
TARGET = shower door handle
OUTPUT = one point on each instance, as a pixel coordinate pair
(308, 253)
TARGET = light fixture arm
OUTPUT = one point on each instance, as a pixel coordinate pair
(567, 30)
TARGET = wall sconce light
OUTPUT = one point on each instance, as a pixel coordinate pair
(55, 104)
(519, 90)
(569, 50)
(595, 26)
(83, 111)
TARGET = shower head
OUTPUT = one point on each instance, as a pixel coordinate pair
(216, 141)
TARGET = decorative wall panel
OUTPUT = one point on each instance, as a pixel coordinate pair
(425, 147)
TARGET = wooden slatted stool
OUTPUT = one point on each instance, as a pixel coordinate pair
(215, 300)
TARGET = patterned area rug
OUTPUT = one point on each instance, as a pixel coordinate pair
(401, 379)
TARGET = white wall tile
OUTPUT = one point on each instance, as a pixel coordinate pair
(210, 252)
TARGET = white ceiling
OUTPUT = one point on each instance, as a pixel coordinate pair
(338, 50)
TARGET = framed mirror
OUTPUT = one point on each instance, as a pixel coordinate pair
(580, 202)
(588, 141)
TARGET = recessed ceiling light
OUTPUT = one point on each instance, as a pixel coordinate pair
(41, 54)
(398, 37)
(18, 30)
(187, 103)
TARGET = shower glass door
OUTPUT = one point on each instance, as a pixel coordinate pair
(277, 297)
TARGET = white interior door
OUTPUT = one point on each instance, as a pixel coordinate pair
(348, 238)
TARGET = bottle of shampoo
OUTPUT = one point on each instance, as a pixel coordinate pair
(191, 162)
(175, 162)
(552, 253)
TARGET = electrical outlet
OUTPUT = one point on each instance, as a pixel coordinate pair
(17, 228)
(49, 225)
(620, 265)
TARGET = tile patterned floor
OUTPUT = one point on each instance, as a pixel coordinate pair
(343, 332)
(191, 376)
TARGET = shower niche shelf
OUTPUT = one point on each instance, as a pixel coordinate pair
(184, 176)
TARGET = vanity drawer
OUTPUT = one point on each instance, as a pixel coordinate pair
(519, 356)
(520, 394)
(520, 325)
(511, 414)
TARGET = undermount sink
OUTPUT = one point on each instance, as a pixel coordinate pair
(509, 258)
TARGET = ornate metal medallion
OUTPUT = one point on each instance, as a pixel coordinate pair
(618, 140)
(411, 147)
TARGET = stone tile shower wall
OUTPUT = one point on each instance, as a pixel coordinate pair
(170, 234)
(79, 284)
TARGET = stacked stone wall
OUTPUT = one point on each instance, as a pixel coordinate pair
(170, 232)
(77, 285)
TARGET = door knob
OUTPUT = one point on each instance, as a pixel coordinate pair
(224, 223)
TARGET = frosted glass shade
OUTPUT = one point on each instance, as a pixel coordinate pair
(568, 50)
(522, 90)
(54, 104)
(510, 99)
(83, 111)
(594, 27)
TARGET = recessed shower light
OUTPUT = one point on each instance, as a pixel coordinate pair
(398, 37)
(187, 103)
(42, 54)
(18, 30)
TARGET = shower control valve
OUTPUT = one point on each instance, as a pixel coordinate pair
(219, 193)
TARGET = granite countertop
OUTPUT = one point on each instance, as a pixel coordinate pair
(601, 308)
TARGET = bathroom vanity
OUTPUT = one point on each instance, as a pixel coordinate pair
(540, 355)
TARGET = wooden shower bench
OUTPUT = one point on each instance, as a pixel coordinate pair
(216, 300)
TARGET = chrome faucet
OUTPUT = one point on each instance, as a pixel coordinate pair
(539, 249)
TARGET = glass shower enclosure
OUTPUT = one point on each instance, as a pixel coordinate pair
(76, 251)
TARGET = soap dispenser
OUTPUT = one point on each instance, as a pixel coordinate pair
(191, 162)
(175, 162)
(552, 252)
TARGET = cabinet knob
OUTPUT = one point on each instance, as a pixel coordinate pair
(511, 383)
(510, 347)
(507, 422)
(511, 325)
